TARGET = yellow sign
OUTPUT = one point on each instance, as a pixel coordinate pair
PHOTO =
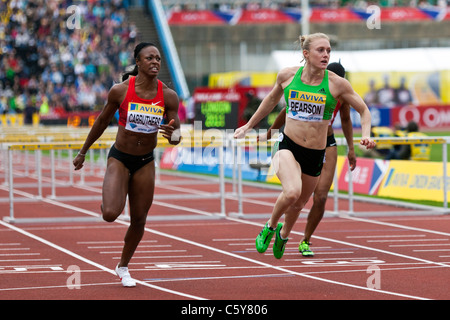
(403, 180)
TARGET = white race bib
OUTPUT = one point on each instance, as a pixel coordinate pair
(144, 118)
(306, 106)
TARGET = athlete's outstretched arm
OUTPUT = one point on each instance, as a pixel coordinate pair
(266, 106)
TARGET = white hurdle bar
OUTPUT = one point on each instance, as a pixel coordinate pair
(38, 147)
(239, 144)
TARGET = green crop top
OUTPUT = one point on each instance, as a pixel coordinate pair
(309, 103)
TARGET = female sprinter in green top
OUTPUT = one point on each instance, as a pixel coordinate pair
(311, 94)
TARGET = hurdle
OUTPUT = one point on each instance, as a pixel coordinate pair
(351, 197)
(423, 140)
(238, 145)
(11, 147)
(38, 148)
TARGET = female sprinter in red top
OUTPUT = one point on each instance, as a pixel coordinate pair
(143, 101)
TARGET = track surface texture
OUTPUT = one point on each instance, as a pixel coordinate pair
(190, 252)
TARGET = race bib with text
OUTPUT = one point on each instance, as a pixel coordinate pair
(144, 118)
(306, 106)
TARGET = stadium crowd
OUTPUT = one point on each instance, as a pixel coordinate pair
(56, 60)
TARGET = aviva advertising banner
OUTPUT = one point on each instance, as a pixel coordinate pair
(404, 180)
(394, 179)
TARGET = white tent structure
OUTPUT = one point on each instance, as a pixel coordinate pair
(402, 60)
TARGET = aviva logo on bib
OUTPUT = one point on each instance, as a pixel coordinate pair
(146, 108)
(306, 106)
(144, 118)
(307, 96)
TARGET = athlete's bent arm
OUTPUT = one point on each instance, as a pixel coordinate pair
(171, 131)
(352, 98)
(347, 129)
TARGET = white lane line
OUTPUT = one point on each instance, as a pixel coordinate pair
(268, 265)
(140, 246)
(387, 236)
(279, 268)
(142, 251)
(419, 245)
(322, 238)
(408, 240)
(429, 250)
(398, 226)
(18, 254)
(354, 245)
(99, 266)
(111, 242)
(204, 247)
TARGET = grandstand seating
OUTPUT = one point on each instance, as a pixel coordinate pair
(48, 62)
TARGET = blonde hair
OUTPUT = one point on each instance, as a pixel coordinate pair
(305, 41)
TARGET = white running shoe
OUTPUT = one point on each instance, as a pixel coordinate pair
(125, 277)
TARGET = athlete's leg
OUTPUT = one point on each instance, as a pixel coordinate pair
(141, 189)
(291, 215)
(321, 193)
(289, 173)
(115, 188)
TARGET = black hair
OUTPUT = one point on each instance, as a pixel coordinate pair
(412, 126)
(337, 68)
(137, 50)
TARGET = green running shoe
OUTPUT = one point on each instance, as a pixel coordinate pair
(263, 238)
(304, 249)
(280, 243)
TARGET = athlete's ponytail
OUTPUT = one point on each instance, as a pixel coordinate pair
(133, 72)
(137, 50)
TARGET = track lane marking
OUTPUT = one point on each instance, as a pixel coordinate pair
(264, 264)
(95, 264)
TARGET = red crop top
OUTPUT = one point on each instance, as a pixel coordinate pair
(141, 115)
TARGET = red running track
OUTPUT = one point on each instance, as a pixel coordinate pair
(189, 253)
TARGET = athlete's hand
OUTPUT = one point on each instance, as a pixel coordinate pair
(352, 159)
(263, 136)
(367, 142)
(78, 161)
(168, 131)
(240, 132)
